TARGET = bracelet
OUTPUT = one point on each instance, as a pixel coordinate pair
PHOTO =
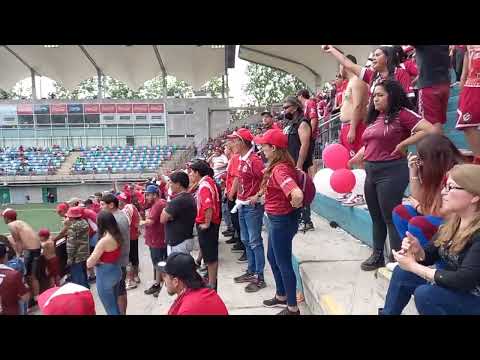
(414, 178)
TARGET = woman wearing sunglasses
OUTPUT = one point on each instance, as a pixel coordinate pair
(436, 155)
(391, 128)
(455, 289)
(283, 200)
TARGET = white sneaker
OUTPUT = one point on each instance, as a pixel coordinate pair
(130, 285)
(343, 197)
(354, 200)
(391, 266)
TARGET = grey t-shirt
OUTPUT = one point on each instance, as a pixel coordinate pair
(122, 221)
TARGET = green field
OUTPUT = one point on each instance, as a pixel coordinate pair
(37, 215)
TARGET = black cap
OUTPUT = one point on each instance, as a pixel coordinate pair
(266, 112)
(182, 266)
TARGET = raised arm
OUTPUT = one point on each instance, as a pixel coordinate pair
(342, 59)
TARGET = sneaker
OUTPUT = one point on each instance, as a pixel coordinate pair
(136, 279)
(308, 227)
(274, 302)
(343, 197)
(228, 233)
(391, 266)
(231, 241)
(287, 311)
(356, 200)
(237, 248)
(374, 262)
(255, 285)
(130, 284)
(243, 258)
(155, 288)
(247, 277)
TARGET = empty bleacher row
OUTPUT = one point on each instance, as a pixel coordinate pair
(127, 159)
(32, 161)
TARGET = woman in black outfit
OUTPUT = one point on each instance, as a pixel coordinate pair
(454, 289)
(391, 128)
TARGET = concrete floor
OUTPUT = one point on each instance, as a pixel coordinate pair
(238, 302)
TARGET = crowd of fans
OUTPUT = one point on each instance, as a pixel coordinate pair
(251, 177)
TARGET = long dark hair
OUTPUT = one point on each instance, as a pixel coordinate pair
(391, 60)
(400, 55)
(397, 99)
(106, 223)
(437, 155)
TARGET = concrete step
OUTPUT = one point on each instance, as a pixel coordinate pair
(68, 163)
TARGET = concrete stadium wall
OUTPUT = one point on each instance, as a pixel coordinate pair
(64, 192)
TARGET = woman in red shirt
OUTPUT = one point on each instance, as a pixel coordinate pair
(391, 128)
(384, 66)
(283, 201)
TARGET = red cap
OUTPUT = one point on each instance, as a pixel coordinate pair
(9, 214)
(126, 198)
(273, 137)
(62, 207)
(69, 299)
(44, 232)
(75, 212)
(241, 133)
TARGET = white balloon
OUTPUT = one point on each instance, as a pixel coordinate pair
(322, 183)
(360, 176)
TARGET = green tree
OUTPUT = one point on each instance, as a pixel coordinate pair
(213, 88)
(269, 86)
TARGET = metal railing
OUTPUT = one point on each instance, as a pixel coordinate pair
(329, 132)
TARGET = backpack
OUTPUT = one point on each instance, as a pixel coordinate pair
(305, 183)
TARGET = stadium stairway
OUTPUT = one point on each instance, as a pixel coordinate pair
(66, 167)
(329, 263)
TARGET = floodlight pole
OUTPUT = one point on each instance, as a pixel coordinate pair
(34, 86)
(99, 83)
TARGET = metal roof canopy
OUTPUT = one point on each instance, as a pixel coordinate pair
(307, 62)
(133, 64)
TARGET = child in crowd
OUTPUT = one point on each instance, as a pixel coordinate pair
(50, 255)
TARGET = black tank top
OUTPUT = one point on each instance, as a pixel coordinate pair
(294, 144)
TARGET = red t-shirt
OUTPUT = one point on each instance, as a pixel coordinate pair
(95, 207)
(279, 185)
(339, 92)
(232, 171)
(90, 217)
(134, 218)
(251, 174)
(202, 301)
(11, 289)
(155, 232)
(473, 76)
(310, 110)
(401, 75)
(380, 139)
(207, 198)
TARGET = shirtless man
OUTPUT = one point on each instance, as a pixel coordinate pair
(353, 110)
(352, 114)
(24, 240)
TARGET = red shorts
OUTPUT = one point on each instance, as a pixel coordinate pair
(469, 108)
(433, 103)
(357, 144)
(53, 267)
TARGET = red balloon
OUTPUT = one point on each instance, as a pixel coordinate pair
(342, 181)
(335, 156)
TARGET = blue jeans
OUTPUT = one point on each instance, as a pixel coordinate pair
(281, 230)
(226, 215)
(251, 218)
(78, 271)
(429, 299)
(108, 277)
(93, 240)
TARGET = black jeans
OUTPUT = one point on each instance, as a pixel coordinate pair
(234, 217)
(385, 185)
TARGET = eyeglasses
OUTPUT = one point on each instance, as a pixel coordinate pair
(449, 187)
